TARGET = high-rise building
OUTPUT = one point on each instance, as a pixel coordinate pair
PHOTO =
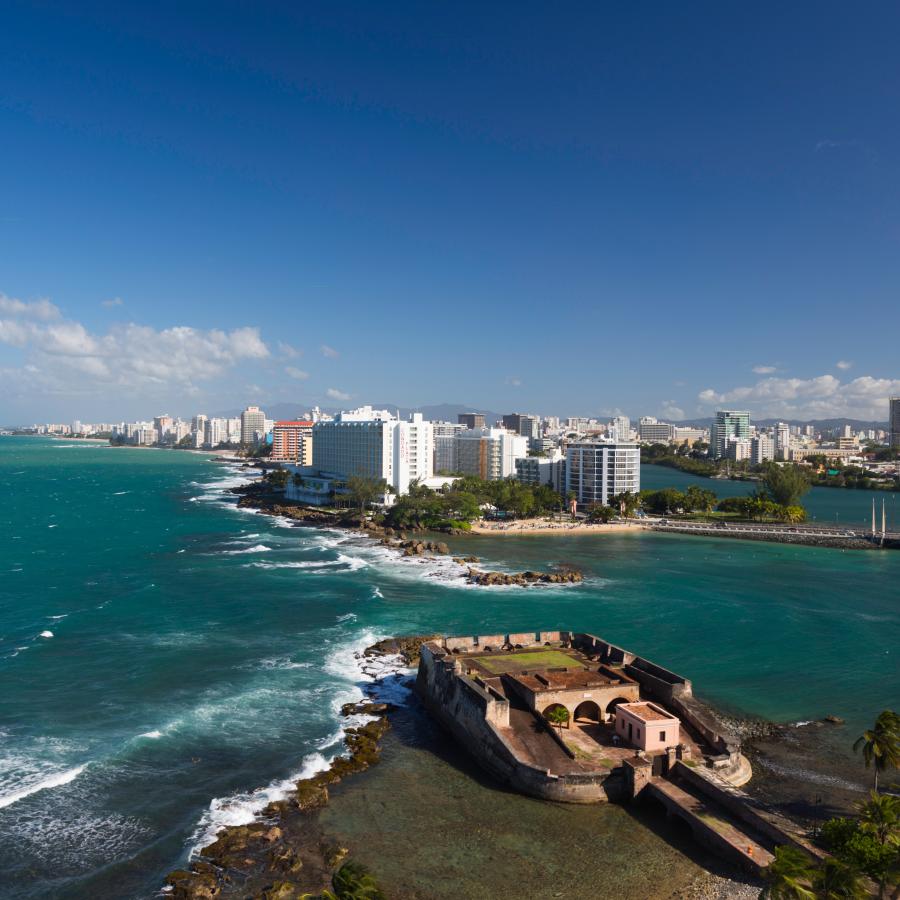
(444, 436)
(782, 441)
(471, 420)
(762, 449)
(292, 441)
(620, 429)
(729, 423)
(376, 444)
(527, 426)
(489, 453)
(895, 422)
(598, 470)
(549, 470)
(253, 425)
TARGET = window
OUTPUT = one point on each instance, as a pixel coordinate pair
(662, 736)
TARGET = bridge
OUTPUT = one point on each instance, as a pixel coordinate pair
(811, 534)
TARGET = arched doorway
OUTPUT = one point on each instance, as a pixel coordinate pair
(554, 715)
(611, 706)
(587, 711)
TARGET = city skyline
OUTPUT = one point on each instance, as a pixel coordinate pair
(520, 212)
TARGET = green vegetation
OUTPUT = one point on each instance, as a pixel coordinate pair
(880, 745)
(558, 716)
(353, 882)
(789, 876)
(462, 502)
(517, 662)
(362, 491)
(785, 485)
(277, 479)
(693, 461)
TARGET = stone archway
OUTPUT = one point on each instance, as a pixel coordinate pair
(587, 711)
(611, 706)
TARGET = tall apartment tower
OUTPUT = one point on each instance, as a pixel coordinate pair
(895, 422)
(253, 425)
(729, 424)
(598, 470)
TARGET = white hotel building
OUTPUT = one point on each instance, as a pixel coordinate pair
(368, 442)
(598, 470)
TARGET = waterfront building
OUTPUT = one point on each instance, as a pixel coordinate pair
(598, 470)
(376, 444)
(471, 420)
(233, 426)
(444, 442)
(729, 423)
(215, 432)
(894, 407)
(162, 426)
(762, 449)
(253, 425)
(292, 441)
(549, 470)
(680, 435)
(489, 453)
(651, 431)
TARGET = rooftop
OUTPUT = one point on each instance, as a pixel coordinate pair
(646, 712)
(565, 681)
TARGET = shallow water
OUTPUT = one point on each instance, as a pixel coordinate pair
(199, 653)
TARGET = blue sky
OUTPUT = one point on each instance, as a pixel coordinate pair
(648, 208)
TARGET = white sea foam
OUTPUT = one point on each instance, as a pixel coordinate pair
(63, 616)
(282, 662)
(347, 617)
(53, 526)
(376, 593)
(243, 808)
(151, 734)
(46, 634)
(28, 788)
(256, 548)
(120, 493)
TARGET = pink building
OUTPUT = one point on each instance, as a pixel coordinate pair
(647, 726)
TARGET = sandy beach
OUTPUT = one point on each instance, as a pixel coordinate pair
(550, 526)
(105, 442)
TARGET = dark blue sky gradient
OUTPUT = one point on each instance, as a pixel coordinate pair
(617, 206)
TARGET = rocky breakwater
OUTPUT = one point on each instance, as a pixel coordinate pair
(285, 855)
(523, 579)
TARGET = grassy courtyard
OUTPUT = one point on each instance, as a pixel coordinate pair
(536, 659)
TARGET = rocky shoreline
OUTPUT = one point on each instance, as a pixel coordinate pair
(258, 496)
(285, 855)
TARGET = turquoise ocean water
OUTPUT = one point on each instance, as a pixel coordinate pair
(168, 662)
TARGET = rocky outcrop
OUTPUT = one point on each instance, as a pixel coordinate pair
(523, 579)
(405, 647)
(284, 855)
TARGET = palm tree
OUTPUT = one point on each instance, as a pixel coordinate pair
(558, 716)
(881, 745)
(789, 876)
(880, 817)
(837, 880)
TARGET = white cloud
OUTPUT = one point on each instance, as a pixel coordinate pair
(294, 372)
(41, 310)
(329, 352)
(513, 380)
(844, 364)
(64, 357)
(335, 394)
(670, 411)
(810, 398)
(764, 370)
(288, 351)
(109, 304)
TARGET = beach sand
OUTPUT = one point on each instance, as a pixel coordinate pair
(550, 526)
